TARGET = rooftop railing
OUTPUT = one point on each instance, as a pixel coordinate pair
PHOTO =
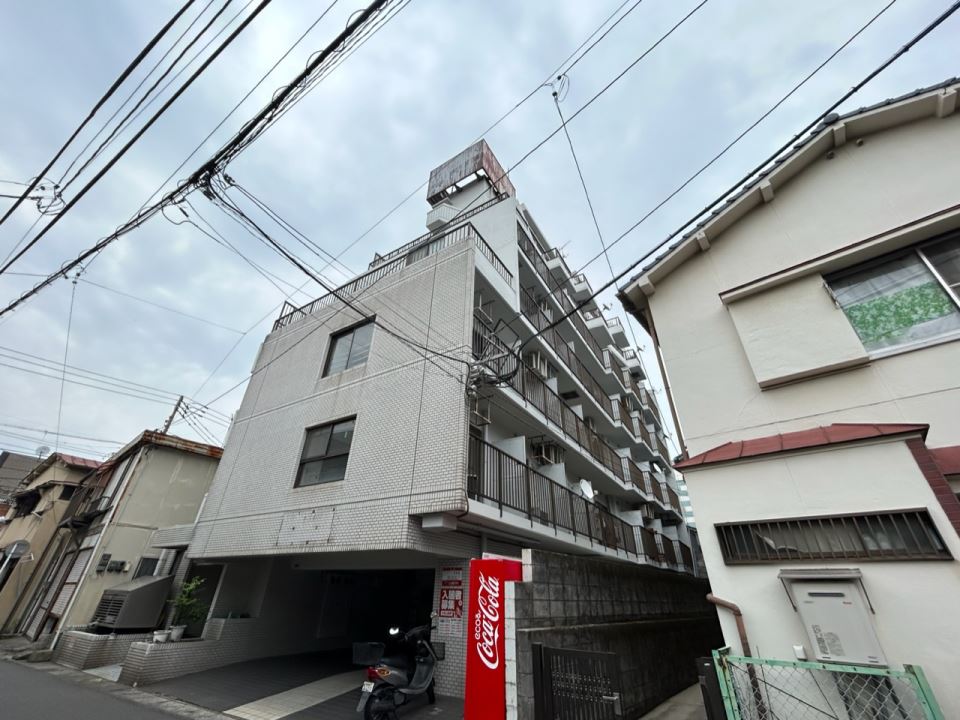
(350, 290)
(458, 220)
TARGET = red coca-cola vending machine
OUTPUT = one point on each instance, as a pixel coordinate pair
(486, 697)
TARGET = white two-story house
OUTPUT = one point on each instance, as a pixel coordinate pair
(810, 331)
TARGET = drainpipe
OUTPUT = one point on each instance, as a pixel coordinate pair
(737, 616)
(745, 647)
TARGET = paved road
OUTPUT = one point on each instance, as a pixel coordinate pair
(29, 694)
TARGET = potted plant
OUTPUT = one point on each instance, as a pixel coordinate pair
(161, 636)
(187, 608)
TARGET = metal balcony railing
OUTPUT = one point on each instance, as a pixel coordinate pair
(557, 292)
(350, 290)
(494, 476)
(535, 391)
(533, 311)
(458, 219)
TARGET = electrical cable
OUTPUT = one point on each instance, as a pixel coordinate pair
(116, 158)
(146, 212)
(141, 106)
(116, 84)
(133, 93)
(786, 146)
(66, 350)
(45, 431)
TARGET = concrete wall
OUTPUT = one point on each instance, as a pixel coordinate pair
(656, 622)
(913, 600)
(893, 179)
(408, 454)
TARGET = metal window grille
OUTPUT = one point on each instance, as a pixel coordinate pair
(893, 535)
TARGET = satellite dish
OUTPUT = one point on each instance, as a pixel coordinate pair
(17, 549)
(43, 451)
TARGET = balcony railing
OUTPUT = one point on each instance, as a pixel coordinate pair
(647, 399)
(557, 292)
(350, 290)
(535, 391)
(494, 476)
(540, 320)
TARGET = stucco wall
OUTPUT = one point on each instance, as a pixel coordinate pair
(893, 179)
(408, 453)
(914, 600)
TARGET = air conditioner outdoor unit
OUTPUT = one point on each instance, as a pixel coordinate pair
(547, 454)
(134, 605)
(539, 364)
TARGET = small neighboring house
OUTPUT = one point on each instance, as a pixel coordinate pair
(13, 469)
(810, 330)
(156, 480)
(39, 504)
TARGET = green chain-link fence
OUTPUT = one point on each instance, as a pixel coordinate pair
(763, 689)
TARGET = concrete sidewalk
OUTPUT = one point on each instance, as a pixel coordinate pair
(687, 705)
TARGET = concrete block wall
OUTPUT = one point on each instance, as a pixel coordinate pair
(82, 650)
(656, 622)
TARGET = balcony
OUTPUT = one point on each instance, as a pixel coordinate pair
(513, 487)
(533, 390)
(414, 253)
(580, 287)
(555, 262)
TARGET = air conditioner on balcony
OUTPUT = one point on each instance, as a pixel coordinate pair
(539, 364)
(547, 454)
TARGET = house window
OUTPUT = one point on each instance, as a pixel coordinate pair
(897, 535)
(325, 453)
(904, 299)
(349, 348)
(146, 566)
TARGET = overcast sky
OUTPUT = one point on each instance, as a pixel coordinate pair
(417, 93)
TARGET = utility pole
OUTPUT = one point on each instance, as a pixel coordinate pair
(176, 408)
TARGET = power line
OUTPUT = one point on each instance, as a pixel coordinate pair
(133, 93)
(46, 431)
(137, 110)
(116, 158)
(786, 146)
(66, 351)
(116, 84)
(147, 212)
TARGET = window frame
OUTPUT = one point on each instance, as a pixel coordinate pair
(343, 332)
(848, 523)
(916, 250)
(298, 482)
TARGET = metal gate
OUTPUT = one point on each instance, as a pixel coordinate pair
(575, 685)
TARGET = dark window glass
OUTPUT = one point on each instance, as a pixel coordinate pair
(907, 535)
(325, 453)
(146, 566)
(349, 348)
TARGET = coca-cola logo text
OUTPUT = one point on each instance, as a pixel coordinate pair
(486, 623)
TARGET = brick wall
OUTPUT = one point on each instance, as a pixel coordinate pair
(656, 621)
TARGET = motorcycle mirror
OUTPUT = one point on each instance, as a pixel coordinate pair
(394, 631)
(434, 614)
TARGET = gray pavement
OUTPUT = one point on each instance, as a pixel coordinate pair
(45, 691)
(687, 705)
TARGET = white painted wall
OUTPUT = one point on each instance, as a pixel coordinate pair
(893, 179)
(915, 601)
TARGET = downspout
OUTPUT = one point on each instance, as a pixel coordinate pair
(745, 647)
(737, 616)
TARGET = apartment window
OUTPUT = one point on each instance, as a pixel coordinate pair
(325, 453)
(349, 348)
(146, 566)
(897, 535)
(905, 299)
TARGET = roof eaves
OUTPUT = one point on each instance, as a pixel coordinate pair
(698, 225)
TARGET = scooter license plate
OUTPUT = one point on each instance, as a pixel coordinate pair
(367, 687)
